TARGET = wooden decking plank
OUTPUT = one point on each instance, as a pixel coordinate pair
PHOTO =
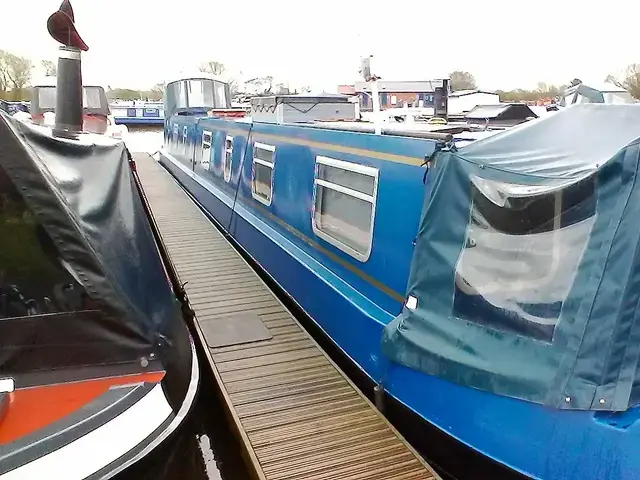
(260, 372)
(286, 379)
(297, 415)
(275, 340)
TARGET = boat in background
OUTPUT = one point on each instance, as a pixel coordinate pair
(13, 108)
(137, 112)
(97, 364)
(96, 115)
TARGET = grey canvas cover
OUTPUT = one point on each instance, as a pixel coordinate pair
(525, 279)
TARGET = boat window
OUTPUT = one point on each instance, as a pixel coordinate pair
(92, 98)
(47, 97)
(262, 172)
(521, 255)
(185, 133)
(221, 95)
(176, 137)
(228, 156)
(34, 278)
(344, 206)
(200, 93)
(205, 158)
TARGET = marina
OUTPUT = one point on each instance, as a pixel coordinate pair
(404, 280)
(299, 417)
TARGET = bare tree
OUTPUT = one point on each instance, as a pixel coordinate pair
(264, 85)
(50, 68)
(630, 82)
(460, 80)
(214, 68)
(282, 89)
(15, 72)
(4, 78)
(155, 93)
(549, 91)
(233, 87)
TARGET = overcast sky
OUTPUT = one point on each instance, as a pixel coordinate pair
(504, 44)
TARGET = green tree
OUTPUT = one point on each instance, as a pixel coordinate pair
(460, 80)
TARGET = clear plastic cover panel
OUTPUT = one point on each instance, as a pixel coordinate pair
(520, 257)
(200, 93)
(93, 98)
(34, 278)
(195, 93)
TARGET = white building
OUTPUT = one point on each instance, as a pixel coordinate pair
(612, 93)
(465, 100)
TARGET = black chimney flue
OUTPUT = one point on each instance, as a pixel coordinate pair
(69, 83)
(69, 92)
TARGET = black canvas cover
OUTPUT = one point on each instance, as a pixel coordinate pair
(82, 282)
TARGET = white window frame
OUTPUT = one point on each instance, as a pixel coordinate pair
(228, 153)
(205, 151)
(355, 168)
(185, 135)
(271, 165)
(176, 136)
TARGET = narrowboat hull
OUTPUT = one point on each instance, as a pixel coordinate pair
(342, 297)
(94, 428)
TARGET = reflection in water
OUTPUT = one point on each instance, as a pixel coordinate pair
(203, 448)
(144, 138)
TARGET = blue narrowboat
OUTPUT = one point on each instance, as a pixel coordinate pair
(490, 287)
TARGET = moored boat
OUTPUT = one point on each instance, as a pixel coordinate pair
(483, 280)
(137, 112)
(97, 365)
(96, 114)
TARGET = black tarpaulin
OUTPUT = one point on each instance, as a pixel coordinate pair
(83, 198)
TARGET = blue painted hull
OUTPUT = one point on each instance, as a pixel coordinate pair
(529, 438)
